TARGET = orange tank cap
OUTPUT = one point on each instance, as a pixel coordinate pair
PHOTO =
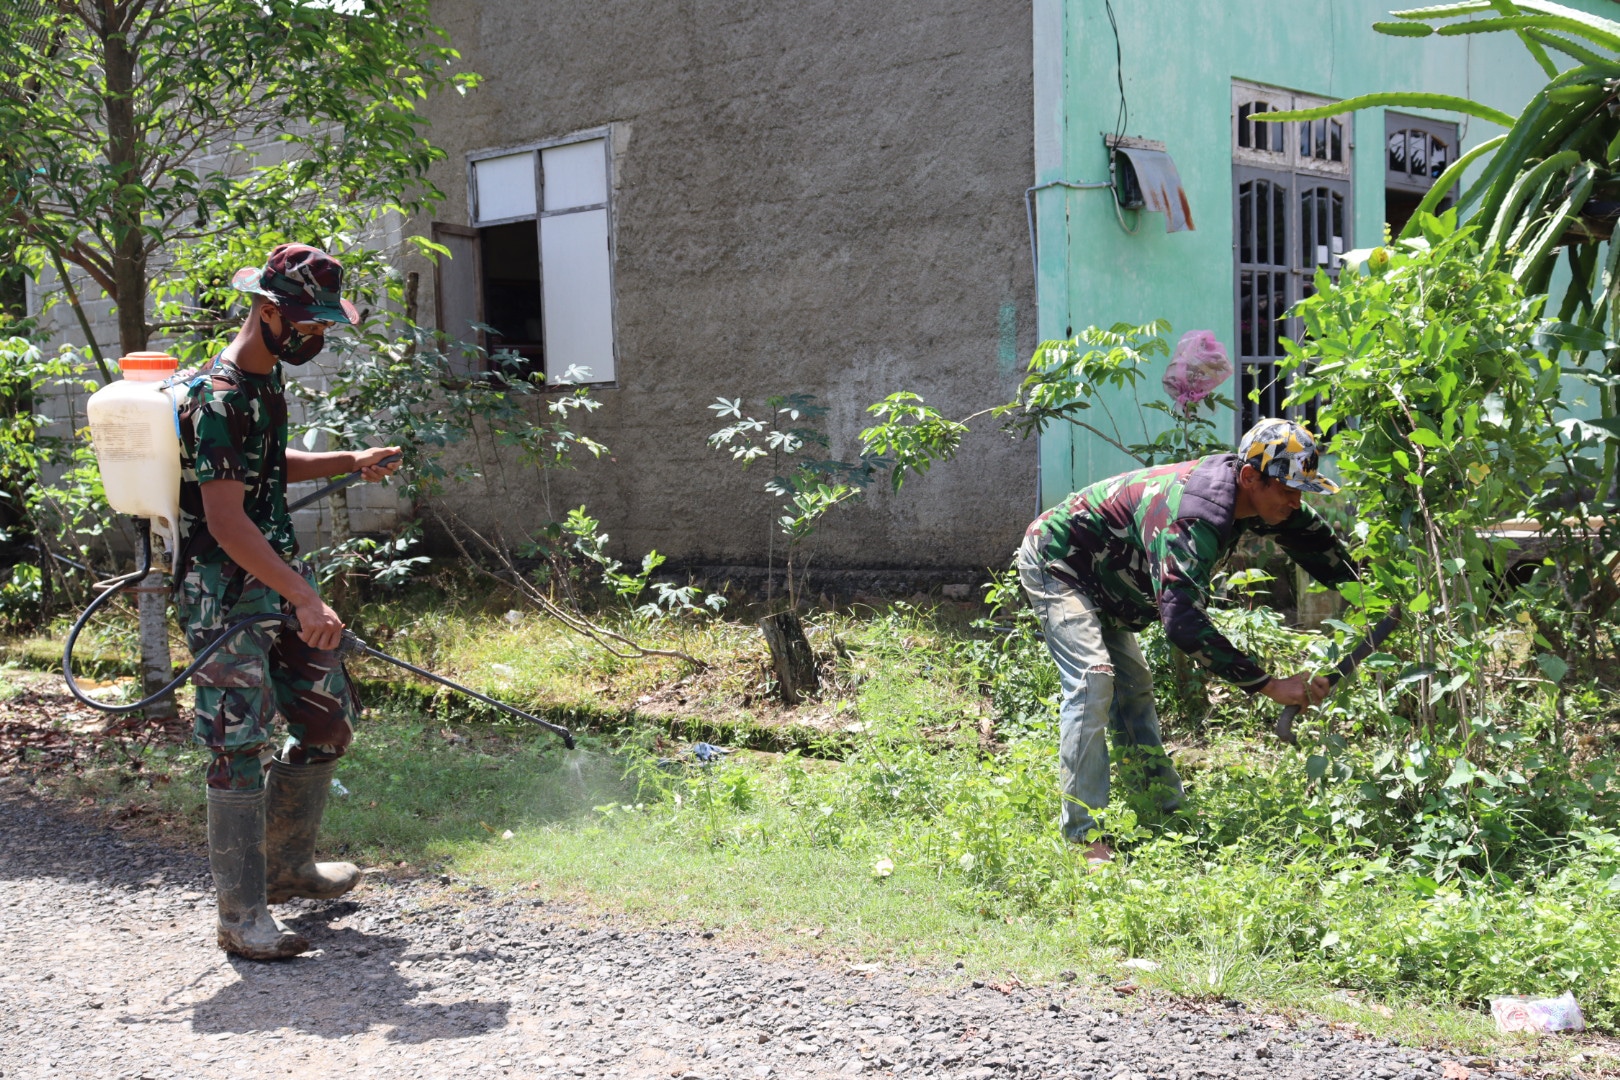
(148, 361)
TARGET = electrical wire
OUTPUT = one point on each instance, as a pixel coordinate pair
(1124, 117)
(1121, 122)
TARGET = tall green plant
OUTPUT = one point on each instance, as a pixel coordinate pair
(1068, 382)
(804, 481)
(122, 125)
(49, 489)
(1430, 366)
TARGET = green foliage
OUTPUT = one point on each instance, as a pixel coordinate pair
(50, 490)
(395, 384)
(1547, 185)
(1066, 379)
(1445, 407)
(119, 144)
(385, 563)
(629, 586)
(911, 434)
(806, 483)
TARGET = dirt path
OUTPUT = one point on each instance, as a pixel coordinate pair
(111, 971)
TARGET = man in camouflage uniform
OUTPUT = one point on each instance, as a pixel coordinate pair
(237, 558)
(1141, 547)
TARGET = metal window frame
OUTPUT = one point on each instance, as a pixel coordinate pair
(534, 147)
(1446, 131)
(1298, 174)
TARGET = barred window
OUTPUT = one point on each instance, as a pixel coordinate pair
(1291, 216)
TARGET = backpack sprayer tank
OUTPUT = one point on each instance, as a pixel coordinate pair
(135, 429)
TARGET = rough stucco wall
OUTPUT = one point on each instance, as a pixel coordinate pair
(808, 197)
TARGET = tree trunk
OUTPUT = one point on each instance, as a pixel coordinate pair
(124, 153)
(791, 655)
(156, 667)
(341, 528)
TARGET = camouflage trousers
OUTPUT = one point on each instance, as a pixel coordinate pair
(1107, 693)
(262, 670)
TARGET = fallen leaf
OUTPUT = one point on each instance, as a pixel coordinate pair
(1454, 1070)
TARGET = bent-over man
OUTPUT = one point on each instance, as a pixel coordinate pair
(1142, 546)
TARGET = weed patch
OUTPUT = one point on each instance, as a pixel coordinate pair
(1340, 877)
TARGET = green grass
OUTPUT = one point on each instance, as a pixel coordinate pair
(1279, 891)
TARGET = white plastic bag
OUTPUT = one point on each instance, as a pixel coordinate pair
(1520, 1013)
(1197, 367)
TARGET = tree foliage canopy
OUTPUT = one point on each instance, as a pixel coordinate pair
(128, 127)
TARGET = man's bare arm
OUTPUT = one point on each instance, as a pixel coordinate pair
(302, 465)
(319, 625)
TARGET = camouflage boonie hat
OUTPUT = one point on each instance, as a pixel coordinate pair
(1286, 451)
(304, 282)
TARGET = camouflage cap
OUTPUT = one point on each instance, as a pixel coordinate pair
(1287, 451)
(304, 282)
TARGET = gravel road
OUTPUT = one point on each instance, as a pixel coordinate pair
(111, 971)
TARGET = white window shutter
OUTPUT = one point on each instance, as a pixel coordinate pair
(574, 174)
(577, 288)
(504, 187)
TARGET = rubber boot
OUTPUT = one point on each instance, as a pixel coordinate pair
(236, 855)
(292, 817)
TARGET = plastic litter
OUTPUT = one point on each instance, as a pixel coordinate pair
(1522, 1013)
(338, 788)
(1197, 368)
(706, 752)
(1140, 964)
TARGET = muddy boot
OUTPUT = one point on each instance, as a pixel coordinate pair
(292, 817)
(236, 855)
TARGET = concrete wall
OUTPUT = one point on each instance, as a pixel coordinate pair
(813, 197)
(1179, 61)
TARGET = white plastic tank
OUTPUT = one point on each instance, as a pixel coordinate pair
(135, 429)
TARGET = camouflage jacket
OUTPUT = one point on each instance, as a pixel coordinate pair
(1143, 546)
(233, 426)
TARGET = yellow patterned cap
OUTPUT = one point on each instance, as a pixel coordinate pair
(1285, 450)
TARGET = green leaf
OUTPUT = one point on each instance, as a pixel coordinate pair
(1575, 337)
(1397, 99)
(1403, 29)
(1552, 666)
(1424, 437)
(1580, 27)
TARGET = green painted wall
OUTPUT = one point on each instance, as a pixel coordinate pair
(1179, 61)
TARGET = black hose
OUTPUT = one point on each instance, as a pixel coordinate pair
(351, 643)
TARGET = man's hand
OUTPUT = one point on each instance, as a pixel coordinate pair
(1301, 690)
(367, 463)
(318, 624)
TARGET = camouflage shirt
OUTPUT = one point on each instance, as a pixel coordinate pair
(233, 426)
(1144, 545)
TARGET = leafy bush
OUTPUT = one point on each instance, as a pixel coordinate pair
(1445, 405)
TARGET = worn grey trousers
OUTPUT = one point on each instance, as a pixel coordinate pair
(1106, 686)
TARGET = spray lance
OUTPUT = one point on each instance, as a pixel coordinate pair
(135, 428)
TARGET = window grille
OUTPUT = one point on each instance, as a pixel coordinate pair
(1291, 218)
(1416, 151)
